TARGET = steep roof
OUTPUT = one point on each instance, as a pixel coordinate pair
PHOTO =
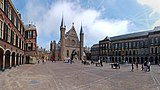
(131, 35)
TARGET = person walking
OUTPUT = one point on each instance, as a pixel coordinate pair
(132, 67)
(145, 66)
(148, 66)
(136, 65)
(101, 63)
(142, 67)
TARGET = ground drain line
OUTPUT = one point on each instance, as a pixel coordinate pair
(55, 80)
(155, 81)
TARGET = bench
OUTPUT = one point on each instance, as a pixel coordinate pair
(115, 65)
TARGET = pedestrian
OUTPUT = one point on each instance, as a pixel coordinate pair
(145, 66)
(53, 59)
(132, 67)
(142, 67)
(38, 61)
(101, 63)
(70, 61)
(148, 65)
(136, 65)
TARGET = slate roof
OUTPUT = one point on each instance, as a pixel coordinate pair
(130, 35)
(134, 35)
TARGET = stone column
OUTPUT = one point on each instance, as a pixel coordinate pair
(24, 60)
(10, 62)
(3, 68)
(15, 61)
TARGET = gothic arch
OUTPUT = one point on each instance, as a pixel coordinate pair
(13, 58)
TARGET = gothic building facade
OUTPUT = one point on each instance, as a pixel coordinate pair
(69, 46)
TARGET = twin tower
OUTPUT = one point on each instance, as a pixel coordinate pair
(69, 45)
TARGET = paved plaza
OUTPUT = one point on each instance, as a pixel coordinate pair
(76, 76)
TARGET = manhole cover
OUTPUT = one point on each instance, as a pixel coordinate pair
(33, 82)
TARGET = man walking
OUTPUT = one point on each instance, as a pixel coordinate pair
(137, 65)
(132, 67)
(101, 63)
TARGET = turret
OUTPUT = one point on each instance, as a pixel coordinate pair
(81, 43)
(62, 39)
(51, 48)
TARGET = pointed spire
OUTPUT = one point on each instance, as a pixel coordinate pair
(81, 30)
(62, 22)
(73, 24)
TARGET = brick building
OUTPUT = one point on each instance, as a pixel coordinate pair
(12, 36)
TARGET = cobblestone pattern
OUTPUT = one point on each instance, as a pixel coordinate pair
(76, 76)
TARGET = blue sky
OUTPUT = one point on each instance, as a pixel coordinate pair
(100, 18)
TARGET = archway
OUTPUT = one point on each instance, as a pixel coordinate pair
(138, 60)
(126, 59)
(130, 60)
(112, 59)
(142, 61)
(7, 59)
(1, 58)
(74, 55)
(151, 59)
(20, 59)
(13, 59)
(17, 59)
(134, 60)
(156, 60)
(27, 59)
(116, 59)
(146, 58)
(119, 59)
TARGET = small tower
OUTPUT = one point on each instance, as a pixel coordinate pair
(81, 43)
(54, 46)
(51, 48)
(62, 40)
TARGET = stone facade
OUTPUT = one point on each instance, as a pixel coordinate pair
(134, 47)
(69, 45)
(95, 52)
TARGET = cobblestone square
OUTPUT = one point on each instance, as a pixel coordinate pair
(76, 76)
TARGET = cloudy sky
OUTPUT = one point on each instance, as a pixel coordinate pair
(99, 18)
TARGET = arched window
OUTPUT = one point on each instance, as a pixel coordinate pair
(73, 43)
(67, 53)
(156, 50)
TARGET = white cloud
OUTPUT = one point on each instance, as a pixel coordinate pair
(154, 4)
(157, 23)
(95, 28)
